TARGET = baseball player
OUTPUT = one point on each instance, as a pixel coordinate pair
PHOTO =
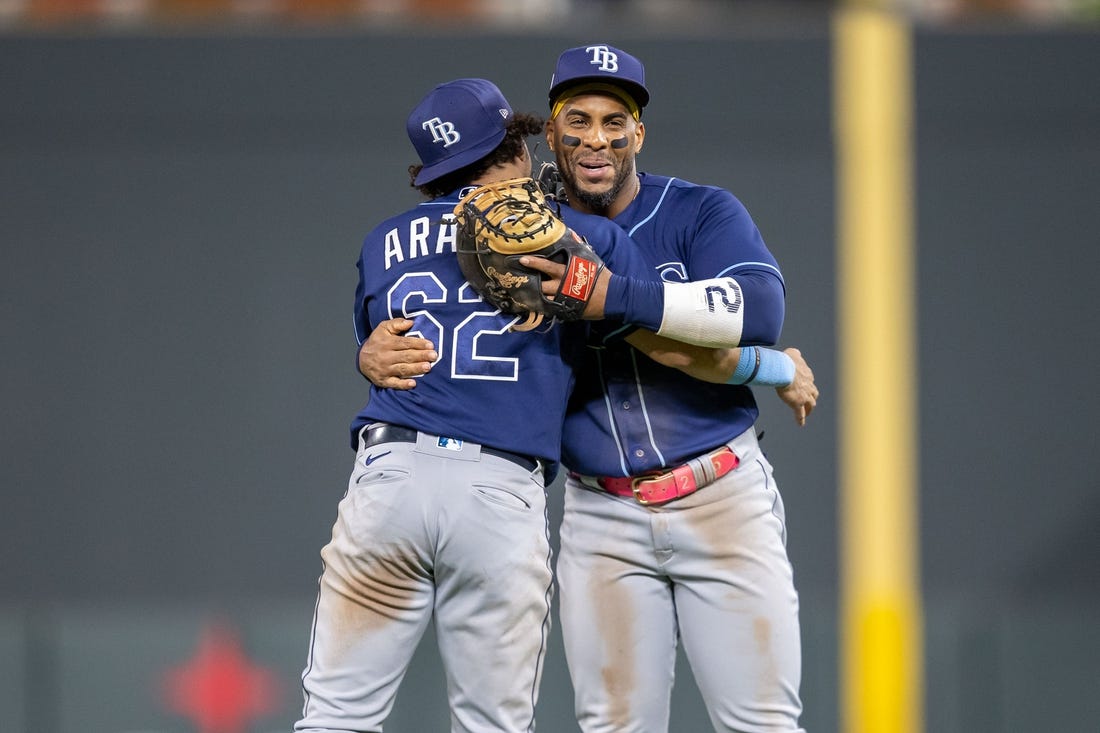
(673, 528)
(444, 517)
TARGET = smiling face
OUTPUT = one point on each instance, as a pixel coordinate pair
(595, 139)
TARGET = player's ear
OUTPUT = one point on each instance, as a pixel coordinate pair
(639, 137)
(523, 161)
(550, 135)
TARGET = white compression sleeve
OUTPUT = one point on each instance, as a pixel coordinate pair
(704, 313)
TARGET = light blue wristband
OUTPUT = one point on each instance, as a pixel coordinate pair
(747, 366)
(763, 367)
(776, 369)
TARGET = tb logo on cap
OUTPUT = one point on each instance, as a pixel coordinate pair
(604, 57)
(442, 132)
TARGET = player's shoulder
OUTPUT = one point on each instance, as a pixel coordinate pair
(607, 238)
(435, 210)
(588, 225)
(682, 190)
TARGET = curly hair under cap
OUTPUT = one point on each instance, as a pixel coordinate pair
(516, 131)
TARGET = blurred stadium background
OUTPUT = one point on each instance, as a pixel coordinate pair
(184, 185)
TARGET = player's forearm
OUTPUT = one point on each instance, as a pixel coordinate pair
(706, 313)
(718, 313)
(749, 365)
(701, 362)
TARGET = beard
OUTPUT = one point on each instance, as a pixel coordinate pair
(597, 202)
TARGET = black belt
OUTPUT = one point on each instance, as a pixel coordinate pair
(397, 434)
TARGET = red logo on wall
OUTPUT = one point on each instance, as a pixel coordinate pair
(218, 688)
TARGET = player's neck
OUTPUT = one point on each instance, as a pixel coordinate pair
(515, 168)
(624, 198)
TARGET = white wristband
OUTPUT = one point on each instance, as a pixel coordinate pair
(704, 313)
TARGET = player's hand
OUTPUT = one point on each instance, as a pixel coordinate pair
(390, 359)
(554, 272)
(801, 394)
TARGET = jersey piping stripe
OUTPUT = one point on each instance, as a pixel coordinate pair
(655, 208)
(645, 412)
(358, 336)
(621, 329)
(548, 596)
(611, 417)
(775, 501)
(306, 697)
(765, 265)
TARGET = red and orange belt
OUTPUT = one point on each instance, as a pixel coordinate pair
(660, 487)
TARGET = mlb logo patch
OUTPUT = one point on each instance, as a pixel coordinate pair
(450, 443)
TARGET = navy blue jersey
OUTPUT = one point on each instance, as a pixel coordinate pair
(629, 414)
(492, 386)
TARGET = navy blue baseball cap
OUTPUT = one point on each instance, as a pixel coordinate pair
(457, 124)
(598, 67)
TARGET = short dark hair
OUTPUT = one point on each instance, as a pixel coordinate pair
(516, 131)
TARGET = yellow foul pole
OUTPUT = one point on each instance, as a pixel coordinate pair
(881, 623)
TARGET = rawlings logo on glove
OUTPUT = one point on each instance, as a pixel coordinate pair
(500, 222)
(580, 277)
(507, 279)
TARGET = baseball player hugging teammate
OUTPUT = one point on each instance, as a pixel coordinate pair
(643, 566)
(444, 520)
